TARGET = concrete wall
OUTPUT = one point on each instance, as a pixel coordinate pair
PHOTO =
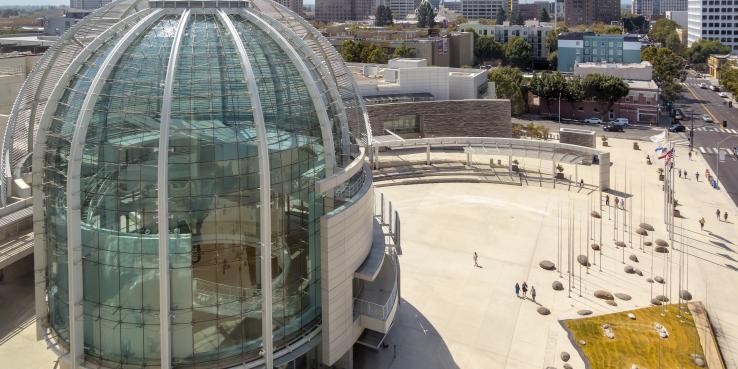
(346, 238)
(577, 137)
(469, 118)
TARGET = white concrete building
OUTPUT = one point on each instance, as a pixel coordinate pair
(711, 20)
(533, 31)
(402, 8)
(637, 72)
(413, 79)
(678, 17)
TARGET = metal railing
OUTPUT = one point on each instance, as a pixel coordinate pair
(373, 309)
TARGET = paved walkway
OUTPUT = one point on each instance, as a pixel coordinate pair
(455, 315)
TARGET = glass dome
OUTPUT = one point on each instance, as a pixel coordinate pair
(212, 125)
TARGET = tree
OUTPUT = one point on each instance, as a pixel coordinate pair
(403, 51)
(351, 51)
(508, 82)
(501, 16)
(634, 23)
(552, 38)
(543, 16)
(668, 70)
(702, 49)
(426, 16)
(574, 92)
(373, 54)
(662, 29)
(486, 48)
(548, 86)
(603, 88)
(729, 77)
(553, 59)
(517, 52)
(383, 16)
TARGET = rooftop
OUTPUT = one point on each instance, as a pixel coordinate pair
(641, 65)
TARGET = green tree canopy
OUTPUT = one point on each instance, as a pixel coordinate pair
(729, 77)
(634, 23)
(351, 51)
(508, 82)
(548, 86)
(486, 48)
(604, 88)
(573, 92)
(552, 38)
(662, 29)
(383, 16)
(517, 52)
(553, 59)
(426, 15)
(543, 16)
(668, 70)
(403, 51)
(701, 49)
(501, 16)
(373, 54)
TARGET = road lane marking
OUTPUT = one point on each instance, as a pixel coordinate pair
(703, 105)
(702, 149)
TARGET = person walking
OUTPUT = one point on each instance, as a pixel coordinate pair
(525, 289)
(717, 213)
(617, 202)
(725, 216)
(475, 259)
(581, 183)
(702, 224)
(607, 200)
(680, 173)
(622, 203)
(533, 293)
(517, 289)
(690, 155)
(697, 176)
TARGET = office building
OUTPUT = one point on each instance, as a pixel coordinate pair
(483, 9)
(88, 4)
(199, 192)
(533, 10)
(671, 6)
(294, 5)
(576, 47)
(679, 17)
(534, 32)
(711, 20)
(586, 12)
(344, 10)
(646, 8)
(402, 8)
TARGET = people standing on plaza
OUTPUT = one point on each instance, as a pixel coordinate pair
(622, 203)
(607, 200)
(725, 215)
(617, 202)
(680, 173)
(702, 224)
(525, 289)
(717, 213)
(475, 259)
(690, 155)
(581, 183)
(697, 176)
(533, 293)
(517, 289)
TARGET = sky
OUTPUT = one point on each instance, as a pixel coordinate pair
(66, 2)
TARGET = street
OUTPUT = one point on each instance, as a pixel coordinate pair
(633, 132)
(707, 136)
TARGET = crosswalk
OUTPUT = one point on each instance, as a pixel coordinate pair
(717, 129)
(714, 150)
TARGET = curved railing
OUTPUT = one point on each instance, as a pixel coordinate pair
(375, 310)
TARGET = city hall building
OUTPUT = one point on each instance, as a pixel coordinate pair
(200, 193)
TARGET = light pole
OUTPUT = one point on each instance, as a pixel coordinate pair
(717, 169)
(559, 110)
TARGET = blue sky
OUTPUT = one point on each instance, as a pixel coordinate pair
(66, 2)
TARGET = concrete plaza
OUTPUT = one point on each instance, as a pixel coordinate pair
(456, 315)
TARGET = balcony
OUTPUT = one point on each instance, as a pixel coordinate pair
(376, 302)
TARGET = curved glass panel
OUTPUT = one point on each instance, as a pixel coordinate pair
(296, 160)
(58, 147)
(214, 202)
(119, 205)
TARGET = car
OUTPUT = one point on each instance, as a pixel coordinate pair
(723, 94)
(621, 122)
(706, 118)
(612, 128)
(699, 75)
(714, 88)
(593, 121)
(677, 128)
(703, 85)
(678, 114)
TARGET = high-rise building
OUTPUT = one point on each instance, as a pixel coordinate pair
(201, 197)
(294, 5)
(591, 11)
(710, 20)
(88, 4)
(344, 10)
(654, 9)
(484, 9)
(401, 8)
(671, 6)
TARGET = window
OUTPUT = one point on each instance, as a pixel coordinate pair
(403, 124)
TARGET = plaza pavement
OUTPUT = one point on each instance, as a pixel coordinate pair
(454, 315)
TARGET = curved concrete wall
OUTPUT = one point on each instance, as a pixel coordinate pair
(346, 238)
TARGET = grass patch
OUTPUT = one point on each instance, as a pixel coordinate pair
(636, 341)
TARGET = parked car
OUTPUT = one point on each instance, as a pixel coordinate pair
(678, 114)
(593, 121)
(714, 88)
(706, 118)
(699, 75)
(723, 94)
(703, 85)
(621, 122)
(613, 128)
(677, 128)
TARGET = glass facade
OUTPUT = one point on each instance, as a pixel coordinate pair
(213, 195)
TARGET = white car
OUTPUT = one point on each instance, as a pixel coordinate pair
(714, 88)
(593, 121)
(706, 118)
(723, 94)
(703, 85)
(621, 122)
